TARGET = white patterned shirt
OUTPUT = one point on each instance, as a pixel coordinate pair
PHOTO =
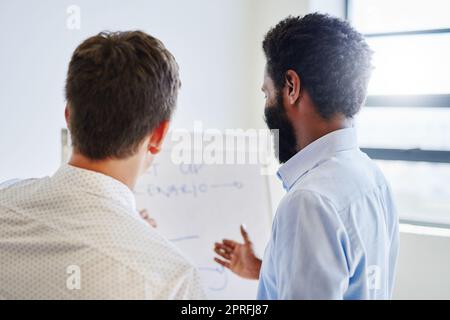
(78, 235)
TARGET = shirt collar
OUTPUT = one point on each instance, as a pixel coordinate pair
(314, 153)
(96, 183)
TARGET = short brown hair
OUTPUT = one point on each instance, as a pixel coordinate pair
(120, 86)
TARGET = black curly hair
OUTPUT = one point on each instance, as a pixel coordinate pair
(331, 58)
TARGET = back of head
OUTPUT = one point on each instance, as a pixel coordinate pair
(332, 60)
(120, 86)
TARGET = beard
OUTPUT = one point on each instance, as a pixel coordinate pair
(276, 118)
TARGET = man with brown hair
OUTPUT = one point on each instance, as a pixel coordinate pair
(77, 234)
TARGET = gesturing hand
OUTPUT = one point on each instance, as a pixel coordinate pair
(239, 257)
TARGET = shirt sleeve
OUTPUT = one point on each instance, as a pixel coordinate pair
(191, 287)
(310, 249)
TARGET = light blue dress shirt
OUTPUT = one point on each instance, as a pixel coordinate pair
(335, 232)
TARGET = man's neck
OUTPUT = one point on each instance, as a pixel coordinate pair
(125, 171)
(319, 129)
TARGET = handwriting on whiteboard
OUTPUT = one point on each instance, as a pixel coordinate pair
(193, 189)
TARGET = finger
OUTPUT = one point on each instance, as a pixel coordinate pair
(223, 263)
(152, 222)
(230, 243)
(143, 213)
(222, 253)
(245, 234)
(226, 248)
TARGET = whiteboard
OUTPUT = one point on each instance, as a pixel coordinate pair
(198, 204)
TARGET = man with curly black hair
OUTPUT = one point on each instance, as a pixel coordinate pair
(335, 233)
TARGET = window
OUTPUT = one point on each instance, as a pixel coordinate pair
(405, 125)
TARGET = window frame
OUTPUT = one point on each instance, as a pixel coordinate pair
(399, 101)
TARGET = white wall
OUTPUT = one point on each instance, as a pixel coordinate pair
(209, 38)
(332, 7)
(265, 14)
(423, 270)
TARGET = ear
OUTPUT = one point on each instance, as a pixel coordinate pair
(292, 87)
(157, 137)
(67, 115)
